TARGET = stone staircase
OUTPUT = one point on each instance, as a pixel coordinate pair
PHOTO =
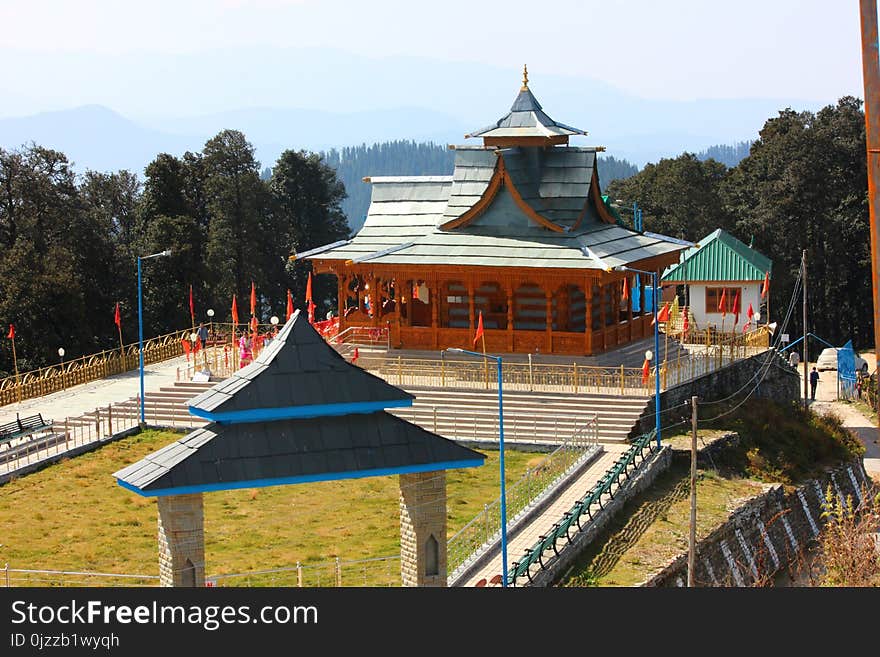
(528, 416)
(456, 414)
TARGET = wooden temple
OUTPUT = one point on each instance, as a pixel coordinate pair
(519, 232)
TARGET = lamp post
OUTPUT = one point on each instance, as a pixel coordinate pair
(654, 304)
(61, 356)
(501, 460)
(166, 252)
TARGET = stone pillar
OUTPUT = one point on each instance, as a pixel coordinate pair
(181, 541)
(423, 528)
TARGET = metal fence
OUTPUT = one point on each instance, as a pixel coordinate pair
(481, 532)
(15, 577)
(380, 571)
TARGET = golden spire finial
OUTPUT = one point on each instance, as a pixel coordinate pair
(525, 86)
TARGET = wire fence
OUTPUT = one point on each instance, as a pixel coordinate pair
(481, 532)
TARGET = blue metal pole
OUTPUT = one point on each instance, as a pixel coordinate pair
(656, 361)
(503, 486)
(141, 338)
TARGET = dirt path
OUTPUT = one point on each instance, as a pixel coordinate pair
(860, 425)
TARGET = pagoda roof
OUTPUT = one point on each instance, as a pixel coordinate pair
(254, 455)
(526, 118)
(720, 257)
(296, 375)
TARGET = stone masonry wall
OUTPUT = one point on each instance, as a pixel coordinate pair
(765, 534)
(422, 516)
(780, 383)
(181, 540)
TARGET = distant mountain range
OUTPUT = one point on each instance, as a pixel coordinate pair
(318, 99)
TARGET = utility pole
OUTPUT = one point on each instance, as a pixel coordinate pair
(692, 536)
(871, 75)
(806, 355)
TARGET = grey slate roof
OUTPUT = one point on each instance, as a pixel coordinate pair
(530, 246)
(248, 455)
(297, 368)
(526, 119)
(401, 209)
(474, 168)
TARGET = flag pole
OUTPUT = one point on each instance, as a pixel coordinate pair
(121, 346)
(485, 360)
(15, 364)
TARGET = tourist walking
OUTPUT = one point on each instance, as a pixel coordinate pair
(814, 381)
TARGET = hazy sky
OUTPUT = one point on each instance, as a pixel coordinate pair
(672, 49)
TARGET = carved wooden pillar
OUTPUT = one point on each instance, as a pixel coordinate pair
(510, 316)
(434, 287)
(472, 321)
(588, 317)
(374, 299)
(341, 298)
(548, 296)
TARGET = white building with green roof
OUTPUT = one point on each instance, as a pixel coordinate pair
(721, 265)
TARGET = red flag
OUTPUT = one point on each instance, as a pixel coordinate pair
(254, 324)
(311, 305)
(722, 308)
(686, 326)
(646, 371)
(192, 309)
(234, 310)
(479, 329)
(117, 318)
(736, 308)
(766, 288)
(355, 356)
(289, 306)
(625, 294)
(663, 315)
(11, 334)
(750, 313)
(253, 299)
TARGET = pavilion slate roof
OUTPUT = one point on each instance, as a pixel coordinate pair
(297, 370)
(222, 457)
(526, 119)
(720, 257)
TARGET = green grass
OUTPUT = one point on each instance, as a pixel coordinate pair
(652, 529)
(73, 516)
(778, 443)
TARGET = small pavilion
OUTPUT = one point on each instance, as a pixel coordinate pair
(722, 266)
(299, 413)
(519, 233)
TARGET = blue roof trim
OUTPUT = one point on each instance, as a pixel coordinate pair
(298, 412)
(304, 479)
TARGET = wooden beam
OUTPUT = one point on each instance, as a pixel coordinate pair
(485, 200)
(503, 142)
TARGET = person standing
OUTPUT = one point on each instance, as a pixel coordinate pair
(794, 359)
(814, 381)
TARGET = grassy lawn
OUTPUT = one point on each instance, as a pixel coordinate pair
(73, 516)
(653, 528)
(778, 443)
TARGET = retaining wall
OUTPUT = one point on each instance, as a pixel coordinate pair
(766, 534)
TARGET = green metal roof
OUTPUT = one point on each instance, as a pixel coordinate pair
(720, 257)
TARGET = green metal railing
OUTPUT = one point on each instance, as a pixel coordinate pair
(484, 529)
(574, 517)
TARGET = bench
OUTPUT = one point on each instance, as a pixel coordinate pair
(23, 427)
